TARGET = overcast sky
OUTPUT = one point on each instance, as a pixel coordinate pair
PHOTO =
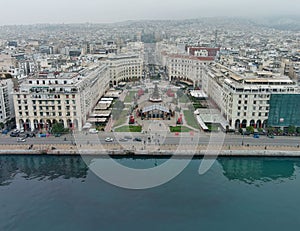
(80, 11)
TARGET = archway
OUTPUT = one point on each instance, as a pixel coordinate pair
(252, 123)
(75, 124)
(41, 124)
(265, 124)
(36, 124)
(237, 124)
(258, 124)
(244, 123)
(69, 123)
(48, 124)
(22, 124)
(27, 125)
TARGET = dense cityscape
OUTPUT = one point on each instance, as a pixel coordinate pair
(248, 71)
(189, 124)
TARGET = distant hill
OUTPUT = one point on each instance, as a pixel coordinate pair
(280, 22)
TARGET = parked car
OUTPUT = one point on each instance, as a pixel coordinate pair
(14, 134)
(93, 131)
(4, 132)
(256, 135)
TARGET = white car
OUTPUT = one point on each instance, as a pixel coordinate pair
(108, 139)
(21, 139)
(93, 131)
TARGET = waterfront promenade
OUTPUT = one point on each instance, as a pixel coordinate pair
(139, 149)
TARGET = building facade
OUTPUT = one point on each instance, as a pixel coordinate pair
(244, 101)
(186, 68)
(6, 100)
(67, 98)
(123, 68)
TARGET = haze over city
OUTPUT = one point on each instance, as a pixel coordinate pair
(99, 11)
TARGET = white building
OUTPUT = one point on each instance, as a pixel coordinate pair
(244, 101)
(186, 68)
(124, 67)
(67, 98)
(6, 100)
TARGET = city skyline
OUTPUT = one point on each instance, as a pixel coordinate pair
(93, 11)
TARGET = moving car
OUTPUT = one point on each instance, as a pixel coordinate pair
(137, 139)
(109, 139)
(21, 140)
(123, 140)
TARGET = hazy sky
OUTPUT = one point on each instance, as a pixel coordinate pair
(74, 11)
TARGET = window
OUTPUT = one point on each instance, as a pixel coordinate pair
(254, 102)
(245, 114)
(245, 107)
(253, 113)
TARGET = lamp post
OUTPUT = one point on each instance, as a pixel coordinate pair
(243, 138)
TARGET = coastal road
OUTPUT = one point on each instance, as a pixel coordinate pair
(170, 139)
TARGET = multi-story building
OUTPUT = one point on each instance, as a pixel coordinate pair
(67, 98)
(186, 68)
(244, 101)
(124, 68)
(6, 100)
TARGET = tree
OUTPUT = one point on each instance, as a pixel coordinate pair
(58, 128)
(250, 129)
(1, 125)
(291, 129)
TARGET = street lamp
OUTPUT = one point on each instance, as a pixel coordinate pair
(243, 138)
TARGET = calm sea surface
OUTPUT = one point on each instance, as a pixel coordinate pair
(60, 194)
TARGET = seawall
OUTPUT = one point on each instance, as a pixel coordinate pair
(167, 150)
